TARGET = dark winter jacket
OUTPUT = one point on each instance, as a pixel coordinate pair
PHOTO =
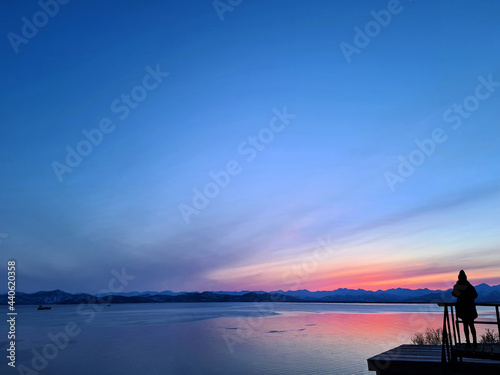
(465, 293)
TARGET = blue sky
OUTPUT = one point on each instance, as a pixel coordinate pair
(324, 175)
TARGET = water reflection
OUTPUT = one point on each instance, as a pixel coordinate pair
(195, 339)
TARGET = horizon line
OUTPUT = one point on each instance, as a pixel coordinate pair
(240, 291)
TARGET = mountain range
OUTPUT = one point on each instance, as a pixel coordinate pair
(487, 294)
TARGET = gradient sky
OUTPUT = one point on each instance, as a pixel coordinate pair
(323, 176)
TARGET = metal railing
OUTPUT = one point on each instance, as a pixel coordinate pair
(451, 332)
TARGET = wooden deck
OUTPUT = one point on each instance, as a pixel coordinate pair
(426, 359)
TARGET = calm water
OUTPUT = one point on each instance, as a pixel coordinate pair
(214, 338)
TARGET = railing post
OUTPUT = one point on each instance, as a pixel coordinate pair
(498, 319)
(444, 345)
(453, 324)
(457, 323)
(450, 342)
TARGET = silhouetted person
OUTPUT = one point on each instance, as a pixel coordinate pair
(466, 308)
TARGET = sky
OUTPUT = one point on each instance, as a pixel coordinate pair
(249, 145)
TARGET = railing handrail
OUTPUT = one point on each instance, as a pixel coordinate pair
(477, 304)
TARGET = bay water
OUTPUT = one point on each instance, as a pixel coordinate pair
(212, 338)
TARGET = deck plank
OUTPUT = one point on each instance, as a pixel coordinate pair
(485, 351)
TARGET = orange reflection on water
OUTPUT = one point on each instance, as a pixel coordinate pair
(382, 326)
(352, 328)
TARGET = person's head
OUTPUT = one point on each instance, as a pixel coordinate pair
(462, 276)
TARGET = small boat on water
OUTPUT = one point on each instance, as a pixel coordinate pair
(43, 307)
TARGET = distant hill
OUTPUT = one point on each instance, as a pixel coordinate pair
(47, 298)
(62, 298)
(487, 294)
(360, 295)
